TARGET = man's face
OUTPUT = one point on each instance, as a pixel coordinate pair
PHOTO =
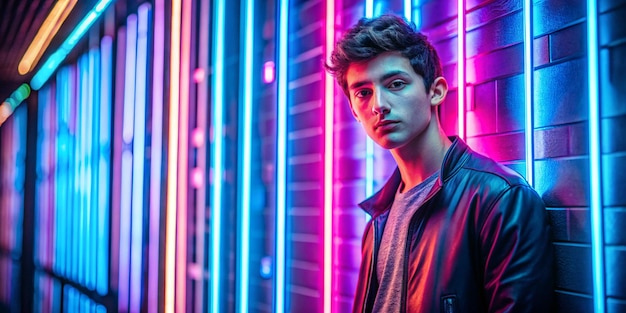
(389, 99)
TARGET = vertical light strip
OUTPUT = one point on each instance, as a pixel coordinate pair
(595, 166)
(369, 8)
(281, 158)
(156, 147)
(461, 66)
(407, 9)
(82, 121)
(369, 143)
(183, 150)
(172, 159)
(528, 91)
(125, 286)
(139, 149)
(246, 156)
(95, 84)
(202, 116)
(104, 163)
(329, 93)
(217, 166)
(116, 174)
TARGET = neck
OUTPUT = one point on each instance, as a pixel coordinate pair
(421, 158)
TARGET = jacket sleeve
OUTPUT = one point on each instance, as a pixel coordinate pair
(517, 253)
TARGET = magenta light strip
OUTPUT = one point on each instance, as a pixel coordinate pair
(461, 66)
(329, 105)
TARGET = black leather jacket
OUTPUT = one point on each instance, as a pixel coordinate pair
(479, 243)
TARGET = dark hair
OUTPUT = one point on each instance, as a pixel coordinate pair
(387, 33)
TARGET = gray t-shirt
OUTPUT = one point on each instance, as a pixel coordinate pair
(391, 253)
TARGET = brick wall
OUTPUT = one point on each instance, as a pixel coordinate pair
(494, 126)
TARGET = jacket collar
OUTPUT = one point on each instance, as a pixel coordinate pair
(453, 160)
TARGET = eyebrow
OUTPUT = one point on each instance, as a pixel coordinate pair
(387, 75)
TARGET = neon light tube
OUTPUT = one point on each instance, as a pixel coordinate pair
(329, 93)
(246, 159)
(58, 56)
(156, 147)
(126, 216)
(44, 35)
(407, 9)
(139, 144)
(118, 144)
(200, 139)
(104, 164)
(369, 143)
(281, 158)
(16, 98)
(82, 117)
(92, 166)
(217, 165)
(183, 148)
(369, 8)
(172, 159)
(528, 91)
(595, 159)
(461, 66)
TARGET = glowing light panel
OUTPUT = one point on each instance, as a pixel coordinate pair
(246, 160)
(595, 159)
(104, 163)
(172, 159)
(329, 93)
(217, 165)
(528, 90)
(281, 158)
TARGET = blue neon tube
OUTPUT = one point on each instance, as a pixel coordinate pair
(281, 159)
(58, 56)
(217, 156)
(595, 159)
(246, 125)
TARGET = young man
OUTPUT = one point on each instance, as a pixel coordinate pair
(452, 230)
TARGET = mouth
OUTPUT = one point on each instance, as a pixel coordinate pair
(385, 124)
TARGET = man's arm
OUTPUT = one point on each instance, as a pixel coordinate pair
(517, 253)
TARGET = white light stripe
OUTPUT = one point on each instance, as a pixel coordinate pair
(281, 156)
(528, 92)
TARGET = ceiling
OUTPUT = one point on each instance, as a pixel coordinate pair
(19, 22)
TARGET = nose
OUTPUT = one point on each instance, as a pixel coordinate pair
(381, 104)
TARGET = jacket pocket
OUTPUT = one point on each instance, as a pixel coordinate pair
(448, 304)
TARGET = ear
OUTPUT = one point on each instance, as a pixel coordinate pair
(438, 91)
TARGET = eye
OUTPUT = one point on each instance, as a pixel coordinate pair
(362, 93)
(396, 84)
